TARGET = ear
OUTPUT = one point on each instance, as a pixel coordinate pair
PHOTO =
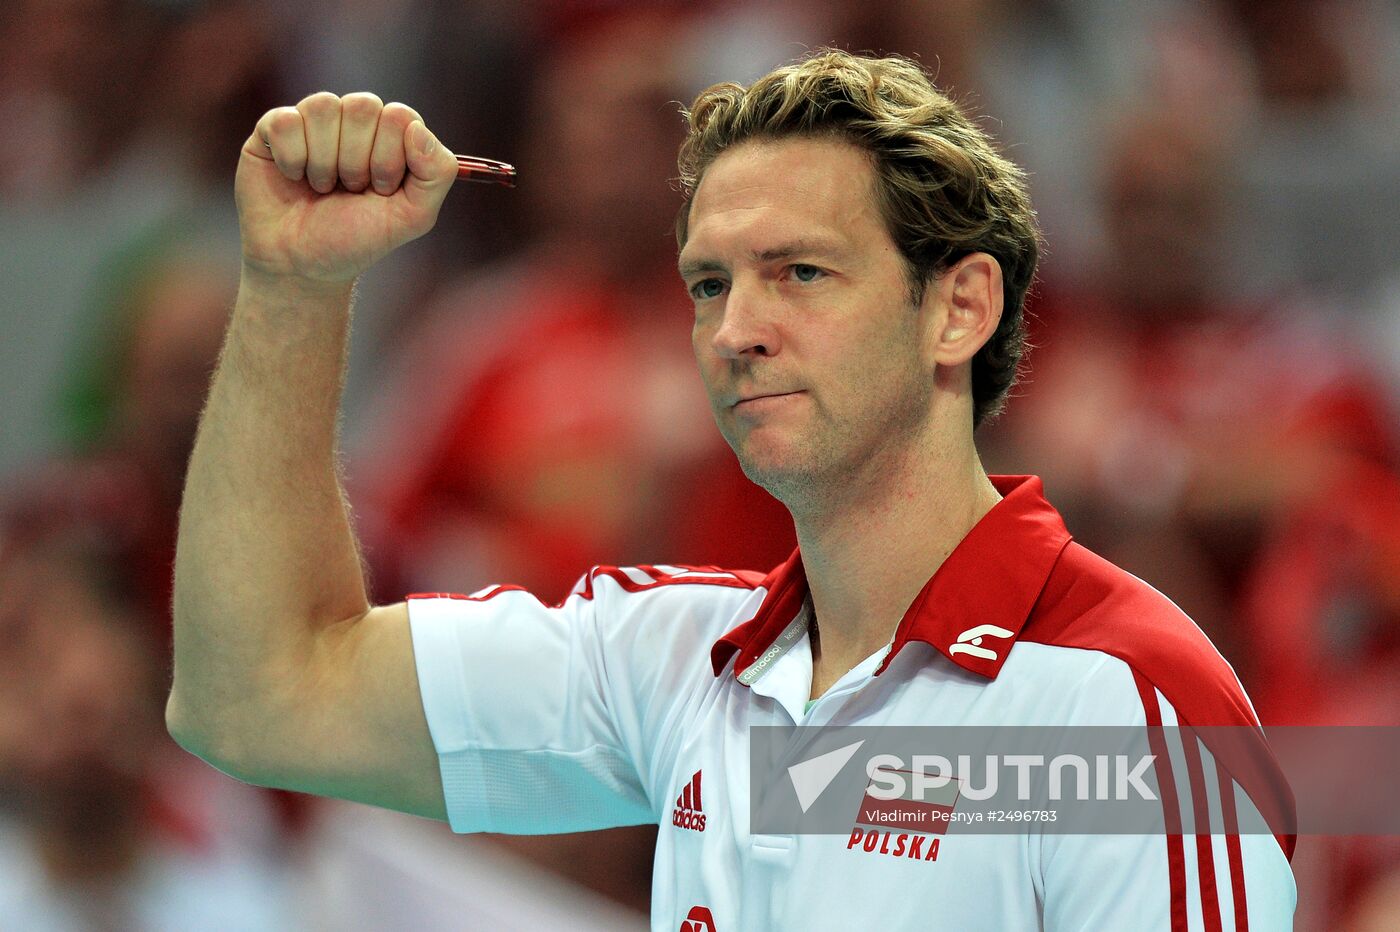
(969, 302)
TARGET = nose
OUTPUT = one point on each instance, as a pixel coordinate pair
(747, 326)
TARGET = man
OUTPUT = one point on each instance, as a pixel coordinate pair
(857, 253)
(103, 824)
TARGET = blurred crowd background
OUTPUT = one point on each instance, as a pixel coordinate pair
(1211, 399)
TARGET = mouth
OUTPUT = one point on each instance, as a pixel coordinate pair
(761, 400)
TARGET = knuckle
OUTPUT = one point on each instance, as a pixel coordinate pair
(283, 119)
(400, 114)
(319, 103)
(361, 104)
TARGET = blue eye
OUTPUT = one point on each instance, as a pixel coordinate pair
(707, 288)
(806, 273)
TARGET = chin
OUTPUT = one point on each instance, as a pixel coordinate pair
(781, 460)
(781, 476)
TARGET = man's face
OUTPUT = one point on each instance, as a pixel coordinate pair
(807, 341)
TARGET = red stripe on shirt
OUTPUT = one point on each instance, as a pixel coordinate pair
(1090, 604)
(1176, 853)
(1200, 806)
(1232, 848)
(732, 579)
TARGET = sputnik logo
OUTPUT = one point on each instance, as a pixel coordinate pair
(811, 777)
(970, 641)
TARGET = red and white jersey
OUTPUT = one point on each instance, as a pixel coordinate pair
(631, 702)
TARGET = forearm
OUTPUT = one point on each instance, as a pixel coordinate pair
(266, 557)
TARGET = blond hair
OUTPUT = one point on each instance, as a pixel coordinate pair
(943, 189)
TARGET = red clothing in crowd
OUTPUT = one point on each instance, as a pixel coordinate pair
(569, 428)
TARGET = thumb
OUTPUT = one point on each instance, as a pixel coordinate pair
(431, 168)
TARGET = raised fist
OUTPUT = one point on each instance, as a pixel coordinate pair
(327, 188)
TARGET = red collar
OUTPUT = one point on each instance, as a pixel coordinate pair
(973, 607)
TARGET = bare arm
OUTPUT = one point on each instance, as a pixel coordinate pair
(284, 675)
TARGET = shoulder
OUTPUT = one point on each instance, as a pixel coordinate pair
(668, 610)
(1089, 604)
(626, 583)
(663, 610)
(1164, 668)
(677, 581)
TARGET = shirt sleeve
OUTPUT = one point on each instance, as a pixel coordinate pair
(1176, 883)
(550, 718)
(519, 713)
(1180, 879)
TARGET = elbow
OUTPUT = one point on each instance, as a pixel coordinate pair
(185, 730)
(210, 742)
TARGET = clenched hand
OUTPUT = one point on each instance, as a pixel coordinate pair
(327, 188)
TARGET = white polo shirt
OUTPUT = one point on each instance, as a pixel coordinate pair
(631, 702)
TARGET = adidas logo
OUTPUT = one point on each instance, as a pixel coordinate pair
(688, 812)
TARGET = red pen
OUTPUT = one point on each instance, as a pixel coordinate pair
(474, 168)
(485, 171)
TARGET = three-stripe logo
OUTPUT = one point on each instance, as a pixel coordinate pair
(688, 812)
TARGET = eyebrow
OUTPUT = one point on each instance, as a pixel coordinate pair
(802, 247)
(696, 266)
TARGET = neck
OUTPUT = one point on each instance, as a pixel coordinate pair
(872, 545)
